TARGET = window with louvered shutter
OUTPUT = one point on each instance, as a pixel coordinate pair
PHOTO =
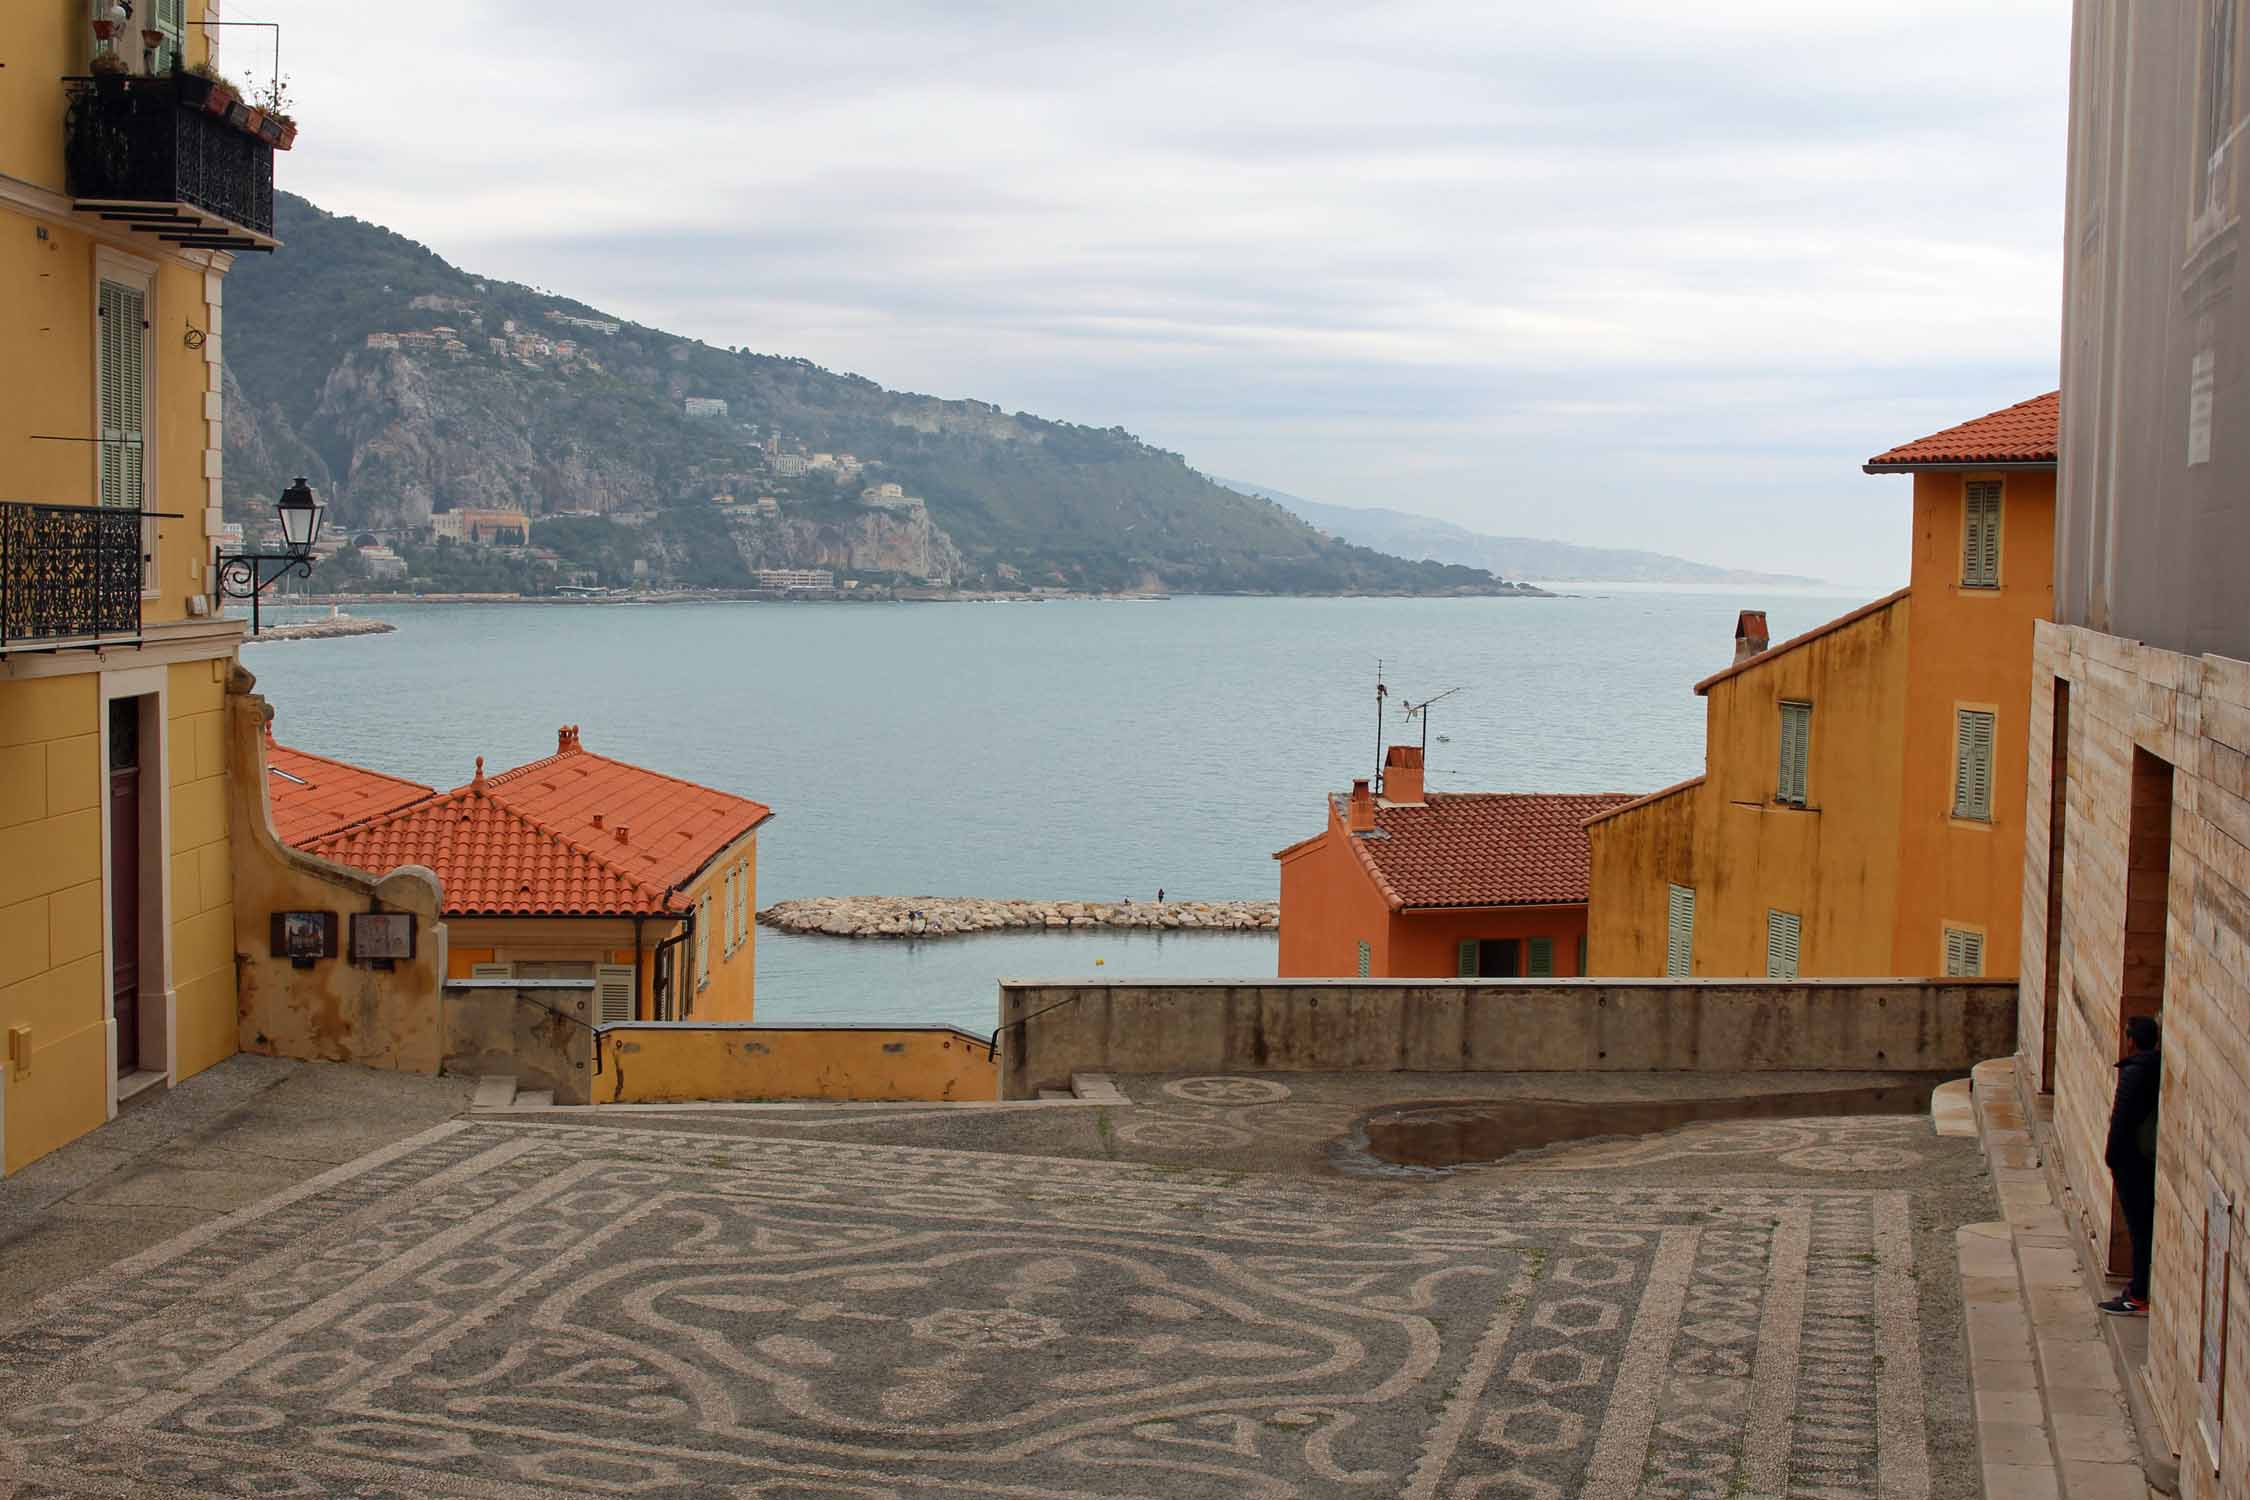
(123, 342)
(703, 941)
(492, 971)
(1980, 535)
(1581, 954)
(1366, 959)
(1972, 764)
(613, 993)
(1783, 930)
(1964, 953)
(1679, 932)
(1539, 959)
(170, 17)
(1465, 958)
(1796, 752)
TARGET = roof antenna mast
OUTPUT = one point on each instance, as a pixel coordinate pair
(1421, 711)
(1381, 693)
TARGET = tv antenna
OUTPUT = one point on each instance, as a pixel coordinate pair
(1381, 693)
(1421, 711)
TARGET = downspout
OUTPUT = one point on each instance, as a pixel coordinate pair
(637, 965)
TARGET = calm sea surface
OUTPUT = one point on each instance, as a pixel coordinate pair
(1064, 750)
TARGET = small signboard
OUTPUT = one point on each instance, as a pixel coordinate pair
(382, 936)
(303, 936)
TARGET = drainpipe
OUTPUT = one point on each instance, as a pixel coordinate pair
(637, 963)
(680, 937)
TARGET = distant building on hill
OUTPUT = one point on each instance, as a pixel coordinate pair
(705, 406)
(795, 578)
(1861, 807)
(477, 526)
(1406, 884)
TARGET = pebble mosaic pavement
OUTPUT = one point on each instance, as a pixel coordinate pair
(528, 1308)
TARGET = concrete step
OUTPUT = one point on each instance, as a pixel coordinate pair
(536, 1099)
(494, 1091)
(1953, 1108)
(2052, 1423)
(1097, 1088)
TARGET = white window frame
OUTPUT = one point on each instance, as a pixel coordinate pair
(1679, 940)
(1794, 773)
(1968, 805)
(1785, 937)
(134, 274)
(1980, 544)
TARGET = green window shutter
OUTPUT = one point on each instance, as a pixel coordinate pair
(1366, 959)
(123, 377)
(1796, 752)
(1582, 955)
(613, 993)
(1980, 535)
(1540, 959)
(1465, 959)
(1972, 764)
(1783, 930)
(1679, 932)
(1964, 953)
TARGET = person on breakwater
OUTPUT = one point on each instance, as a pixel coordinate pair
(1160, 895)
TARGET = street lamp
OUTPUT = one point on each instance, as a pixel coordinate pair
(242, 575)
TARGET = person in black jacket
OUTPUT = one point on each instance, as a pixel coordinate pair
(2131, 1153)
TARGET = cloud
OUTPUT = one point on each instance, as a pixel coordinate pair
(1617, 272)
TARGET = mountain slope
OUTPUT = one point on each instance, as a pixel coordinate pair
(495, 394)
(1512, 556)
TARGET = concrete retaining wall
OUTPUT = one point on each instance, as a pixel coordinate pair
(1053, 1029)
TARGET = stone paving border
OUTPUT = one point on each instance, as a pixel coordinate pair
(2052, 1423)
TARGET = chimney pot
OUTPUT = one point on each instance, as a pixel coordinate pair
(1402, 774)
(597, 820)
(1362, 808)
(1750, 635)
(624, 834)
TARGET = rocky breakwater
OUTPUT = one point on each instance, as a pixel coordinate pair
(942, 916)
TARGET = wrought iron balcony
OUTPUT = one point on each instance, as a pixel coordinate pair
(70, 575)
(137, 154)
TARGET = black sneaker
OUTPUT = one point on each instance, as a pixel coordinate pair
(2125, 1304)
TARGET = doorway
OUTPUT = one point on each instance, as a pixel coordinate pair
(2148, 885)
(1499, 958)
(125, 880)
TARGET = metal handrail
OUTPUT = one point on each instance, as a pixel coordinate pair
(71, 576)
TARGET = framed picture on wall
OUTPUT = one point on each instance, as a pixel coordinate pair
(303, 936)
(382, 936)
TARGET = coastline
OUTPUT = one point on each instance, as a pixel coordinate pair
(899, 596)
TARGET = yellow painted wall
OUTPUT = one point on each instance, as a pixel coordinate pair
(1833, 862)
(202, 874)
(731, 991)
(1971, 648)
(51, 912)
(47, 40)
(662, 1064)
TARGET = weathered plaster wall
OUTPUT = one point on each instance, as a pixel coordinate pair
(655, 1062)
(1464, 1025)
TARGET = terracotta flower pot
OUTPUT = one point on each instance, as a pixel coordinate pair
(288, 136)
(105, 29)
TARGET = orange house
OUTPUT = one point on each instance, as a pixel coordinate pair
(575, 866)
(1408, 885)
(1862, 806)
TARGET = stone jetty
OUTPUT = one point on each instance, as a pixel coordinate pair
(949, 916)
(321, 630)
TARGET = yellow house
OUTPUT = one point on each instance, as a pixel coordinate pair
(1861, 811)
(575, 866)
(116, 928)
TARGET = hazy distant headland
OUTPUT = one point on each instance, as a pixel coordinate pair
(1526, 557)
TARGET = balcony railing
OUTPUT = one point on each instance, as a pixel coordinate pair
(70, 575)
(136, 155)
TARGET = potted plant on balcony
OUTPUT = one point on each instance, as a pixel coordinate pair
(280, 130)
(205, 88)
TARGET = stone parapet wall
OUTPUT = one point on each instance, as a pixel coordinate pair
(2194, 713)
(1053, 1029)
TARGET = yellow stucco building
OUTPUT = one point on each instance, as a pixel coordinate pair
(1861, 812)
(116, 922)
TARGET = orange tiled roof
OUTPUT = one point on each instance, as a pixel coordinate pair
(1482, 848)
(313, 796)
(672, 828)
(494, 860)
(2017, 436)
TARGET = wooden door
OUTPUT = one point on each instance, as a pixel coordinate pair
(125, 880)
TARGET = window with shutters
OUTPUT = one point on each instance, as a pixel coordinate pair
(170, 17)
(1796, 750)
(1582, 954)
(1972, 764)
(1980, 534)
(1783, 929)
(1679, 932)
(734, 909)
(1366, 959)
(1539, 959)
(613, 993)
(121, 457)
(703, 941)
(492, 971)
(1964, 953)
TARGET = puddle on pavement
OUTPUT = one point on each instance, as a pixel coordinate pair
(1445, 1133)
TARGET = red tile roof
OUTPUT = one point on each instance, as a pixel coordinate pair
(1830, 627)
(575, 834)
(670, 828)
(2020, 436)
(312, 795)
(1482, 848)
(494, 861)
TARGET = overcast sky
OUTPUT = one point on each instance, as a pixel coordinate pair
(1623, 272)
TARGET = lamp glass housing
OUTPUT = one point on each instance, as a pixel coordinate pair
(300, 517)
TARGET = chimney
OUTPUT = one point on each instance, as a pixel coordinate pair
(1362, 819)
(624, 834)
(1402, 774)
(566, 738)
(597, 820)
(1750, 636)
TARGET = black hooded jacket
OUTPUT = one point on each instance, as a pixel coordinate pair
(2137, 1078)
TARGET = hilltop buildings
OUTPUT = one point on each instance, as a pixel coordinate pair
(2136, 869)
(1404, 883)
(1860, 810)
